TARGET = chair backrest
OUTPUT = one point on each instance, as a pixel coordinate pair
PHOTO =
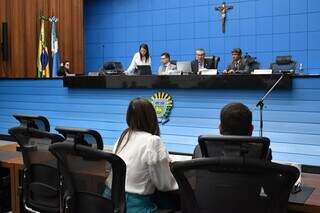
(86, 137)
(232, 185)
(40, 175)
(33, 121)
(236, 146)
(173, 62)
(252, 62)
(283, 64)
(85, 172)
(214, 61)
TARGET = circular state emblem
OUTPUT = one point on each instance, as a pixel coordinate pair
(163, 104)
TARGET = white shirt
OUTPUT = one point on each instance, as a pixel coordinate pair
(200, 65)
(165, 69)
(147, 163)
(136, 61)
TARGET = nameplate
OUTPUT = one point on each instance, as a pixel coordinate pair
(208, 71)
(262, 72)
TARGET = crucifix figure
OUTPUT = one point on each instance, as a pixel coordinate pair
(223, 9)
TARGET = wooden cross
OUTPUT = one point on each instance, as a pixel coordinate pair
(223, 9)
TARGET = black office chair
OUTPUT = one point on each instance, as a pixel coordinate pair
(252, 62)
(235, 146)
(111, 68)
(173, 62)
(231, 185)
(86, 137)
(40, 184)
(85, 171)
(33, 121)
(283, 64)
(214, 61)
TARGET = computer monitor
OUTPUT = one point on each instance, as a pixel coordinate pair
(143, 70)
(184, 67)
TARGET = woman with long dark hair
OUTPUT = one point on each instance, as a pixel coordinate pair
(146, 157)
(140, 58)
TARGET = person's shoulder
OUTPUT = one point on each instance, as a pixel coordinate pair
(173, 65)
(194, 61)
(148, 141)
(160, 69)
(148, 136)
(151, 136)
(231, 63)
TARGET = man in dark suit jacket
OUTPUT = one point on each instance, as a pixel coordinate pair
(238, 65)
(201, 62)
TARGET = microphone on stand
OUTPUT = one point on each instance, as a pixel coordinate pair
(260, 103)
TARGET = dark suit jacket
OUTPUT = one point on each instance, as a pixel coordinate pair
(241, 68)
(208, 64)
(62, 71)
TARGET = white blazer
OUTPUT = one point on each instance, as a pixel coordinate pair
(147, 163)
(136, 61)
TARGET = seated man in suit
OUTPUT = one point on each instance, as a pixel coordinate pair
(65, 69)
(235, 119)
(201, 62)
(238, 64)
(166, 65)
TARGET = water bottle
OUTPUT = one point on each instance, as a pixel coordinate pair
(301, 72)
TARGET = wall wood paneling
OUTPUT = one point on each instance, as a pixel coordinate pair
(23, 20)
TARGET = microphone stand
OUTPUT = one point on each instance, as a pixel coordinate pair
(260, 104)
(102, 55)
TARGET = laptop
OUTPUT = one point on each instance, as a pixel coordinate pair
(184, 67)
(143, 70)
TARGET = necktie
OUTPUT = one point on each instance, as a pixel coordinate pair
(164, 68)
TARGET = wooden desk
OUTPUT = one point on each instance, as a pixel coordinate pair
(312, 205)
(15, 166)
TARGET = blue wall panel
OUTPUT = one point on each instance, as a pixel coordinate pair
(292, 118)
(263, 28)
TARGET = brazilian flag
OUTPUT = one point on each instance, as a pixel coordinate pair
(43, 70)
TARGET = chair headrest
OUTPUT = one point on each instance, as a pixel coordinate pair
(33, 121)
(247, 146)
(35, 133)
(82, 136)
(284, 60)
(112, 65)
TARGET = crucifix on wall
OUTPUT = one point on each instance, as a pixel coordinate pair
(223, 9)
